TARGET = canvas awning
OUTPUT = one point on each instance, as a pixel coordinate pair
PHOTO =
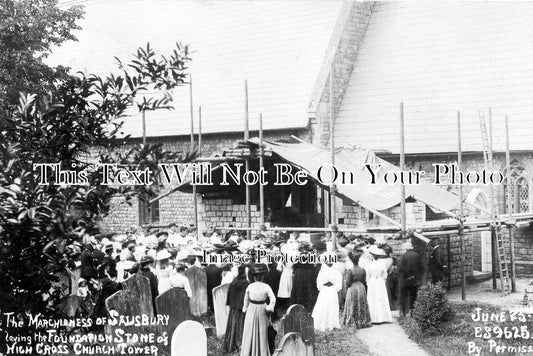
(379, 196)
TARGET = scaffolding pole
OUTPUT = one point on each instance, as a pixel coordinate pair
(247, 161)
(509, 205)
(194, 198)
(461, 226)
(261, 167)
(402, 168)
(492, 214)
(333, 188)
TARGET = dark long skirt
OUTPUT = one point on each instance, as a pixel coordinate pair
(356, 309)
(234, 328)
(304, 290)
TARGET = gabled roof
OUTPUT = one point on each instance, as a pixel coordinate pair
(277, 45)
(437, 58)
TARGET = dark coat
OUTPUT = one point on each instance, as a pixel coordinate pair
(88, 268)
(236, 291)
(214, 278)
(410, 268)
(153, 281)
(436, 264)
(304, 289)
(112, 263)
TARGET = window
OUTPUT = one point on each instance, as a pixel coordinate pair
(148, 213)
(519, 189)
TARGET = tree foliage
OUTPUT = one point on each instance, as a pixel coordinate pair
(79, 129)
(28, 31)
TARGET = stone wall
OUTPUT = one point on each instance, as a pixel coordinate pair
(178, 207)
(474, 162)
(350, 36)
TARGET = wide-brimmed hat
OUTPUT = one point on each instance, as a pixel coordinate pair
(127, 265)
(146, 260)
(320, 246)
(162, 255)
(376, 251)
(259, 268)
(245, 246)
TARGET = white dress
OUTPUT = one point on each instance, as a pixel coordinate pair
(378, 300)
(180, 281)
(326, 311)
(163, 279)
(285, 280)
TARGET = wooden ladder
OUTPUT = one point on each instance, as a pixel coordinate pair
(503, 262)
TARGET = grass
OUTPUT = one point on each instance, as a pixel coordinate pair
(458, 333)
(339, 342)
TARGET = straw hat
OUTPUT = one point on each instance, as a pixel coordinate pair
(162, 255)
(376, 251)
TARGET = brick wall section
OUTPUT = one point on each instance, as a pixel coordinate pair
(474, 162)
(121, 215)
(223, 212)
(343, 64)
(178, 207)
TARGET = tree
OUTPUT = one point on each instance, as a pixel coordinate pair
(28, 31)
(38, 220)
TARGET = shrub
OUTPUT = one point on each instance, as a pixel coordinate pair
(432, 309)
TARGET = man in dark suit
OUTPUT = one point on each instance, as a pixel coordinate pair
(410, 267)
(437, 266)
(214, 278)
(146, 263)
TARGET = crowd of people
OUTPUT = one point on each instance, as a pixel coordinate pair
(359, 283)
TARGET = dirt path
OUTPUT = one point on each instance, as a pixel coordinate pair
(483, 292)
(389, 339)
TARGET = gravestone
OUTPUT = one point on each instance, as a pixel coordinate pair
(198, 281)
(75, 276)
(134, 299)
(220, 296)
(70, 305)
(292, 344)
(298, 320)
(189, 339)
(139, 286)
(174, 303)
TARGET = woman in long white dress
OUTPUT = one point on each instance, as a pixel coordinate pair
(326, 310)
(285, 282)
(378, 300)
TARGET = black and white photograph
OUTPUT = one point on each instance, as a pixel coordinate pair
(266, 178)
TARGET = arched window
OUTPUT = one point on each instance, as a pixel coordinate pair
(480, 198)
(519, 192)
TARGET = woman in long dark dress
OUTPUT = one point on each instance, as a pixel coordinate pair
(237, 288)
(259, 300)
(304, 290)
(356, 309)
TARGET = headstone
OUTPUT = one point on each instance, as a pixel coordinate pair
(75, 275)
(139, 287)
(189, 339)
(198, 281)
(292, 344)
(298, 320)
(174, 303)
(220, 296)
(134, 299)
(70, 305)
